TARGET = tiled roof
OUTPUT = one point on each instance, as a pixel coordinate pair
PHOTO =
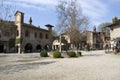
(32, 26)
(113, 24)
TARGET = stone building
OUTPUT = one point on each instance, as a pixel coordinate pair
(68, 42)
(7, 36)
(30, 38)
(56, 43)
(114, 31)
(95, 39)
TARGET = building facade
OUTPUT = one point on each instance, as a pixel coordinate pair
(7, 36)
(60, 42)
(30, 38)
(114, 31)
(114, 28)
(95, 39)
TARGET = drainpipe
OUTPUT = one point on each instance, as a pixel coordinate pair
(60, 44)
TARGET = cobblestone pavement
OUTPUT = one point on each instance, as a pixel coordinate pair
(93, 65)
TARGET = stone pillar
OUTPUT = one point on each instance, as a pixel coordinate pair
(19, 50)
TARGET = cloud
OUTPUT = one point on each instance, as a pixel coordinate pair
(21, 4)
(93, 9)
(115, 1)
(45, 2)
(36, 4)
(96, 10)
(90, 8)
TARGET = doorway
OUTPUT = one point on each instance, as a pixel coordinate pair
(1, 48)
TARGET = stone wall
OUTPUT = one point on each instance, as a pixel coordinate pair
(114, 33)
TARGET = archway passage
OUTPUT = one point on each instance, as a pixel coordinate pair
(28, 47)
(47, 47)
(117, 46)
(1, 48)
(38, 48)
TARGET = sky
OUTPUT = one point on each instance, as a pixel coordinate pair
(44, 12)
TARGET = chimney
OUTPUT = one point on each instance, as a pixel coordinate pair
(30, 20)
(49, 27)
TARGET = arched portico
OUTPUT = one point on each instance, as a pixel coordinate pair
(47, 47)
(28, 47)
(38, 47)
(1, 48)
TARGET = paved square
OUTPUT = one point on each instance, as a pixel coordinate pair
(94, 65)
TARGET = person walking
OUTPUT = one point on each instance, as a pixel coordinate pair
(106, 48)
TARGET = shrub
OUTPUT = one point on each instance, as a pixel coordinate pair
(79, 54)
(93, 49)
(71, 54)
(43, 54)
(56, 54)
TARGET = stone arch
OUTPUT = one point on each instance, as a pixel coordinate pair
(38, 47)
(28, 47)
(47, 47)
(16, 48)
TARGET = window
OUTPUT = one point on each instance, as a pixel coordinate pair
(35, 34)
(41, 35)
(46, 36)
(27, 33)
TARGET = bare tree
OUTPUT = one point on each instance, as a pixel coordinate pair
(6, 14)
(6, 11)
(71, 19)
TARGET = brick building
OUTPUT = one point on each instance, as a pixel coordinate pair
(7, 36)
